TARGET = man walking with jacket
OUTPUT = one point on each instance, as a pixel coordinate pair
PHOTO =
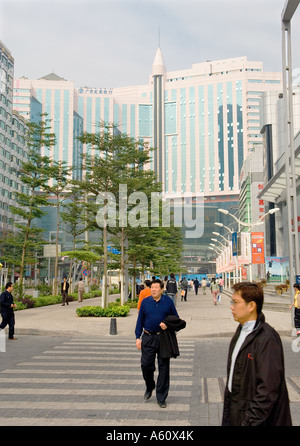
(154, 310)
(7, 310)
(256, 392)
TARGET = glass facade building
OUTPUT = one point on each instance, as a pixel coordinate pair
(202, 121)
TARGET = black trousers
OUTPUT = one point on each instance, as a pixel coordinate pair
(297, 317)
(150, 349)
(8, 319)
(65, 298)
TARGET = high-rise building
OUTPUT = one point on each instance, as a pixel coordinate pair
(53, 96)
(274, 192)
(202, 121)
(12, 143)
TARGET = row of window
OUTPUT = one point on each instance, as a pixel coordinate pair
(5, 61)
(4, 219)
(6, 101)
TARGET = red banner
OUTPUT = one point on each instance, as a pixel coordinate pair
(257, 241)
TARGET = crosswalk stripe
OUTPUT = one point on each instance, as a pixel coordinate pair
(71, 405)
(89, 381)
(120, 364)
(82, 392)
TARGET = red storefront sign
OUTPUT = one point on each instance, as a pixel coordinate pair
(258, 254)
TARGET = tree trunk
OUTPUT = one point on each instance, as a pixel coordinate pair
(55, 287)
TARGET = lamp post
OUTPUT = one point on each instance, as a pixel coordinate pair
(215, 248)
(221, 244)
(249, 229)
(219, 235)
(224, 273)
(289, 135)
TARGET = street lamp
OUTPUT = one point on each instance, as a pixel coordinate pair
(220, 235)
(249, 229)
(215, 240)
(221, 225)
(215, 248)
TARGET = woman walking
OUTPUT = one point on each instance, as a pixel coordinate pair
(214, 288)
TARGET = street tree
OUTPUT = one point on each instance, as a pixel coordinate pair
(34, 174)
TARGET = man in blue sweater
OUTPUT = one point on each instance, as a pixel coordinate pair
(154, 309)
(7, 310)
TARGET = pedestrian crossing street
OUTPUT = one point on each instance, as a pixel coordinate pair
(86, 382)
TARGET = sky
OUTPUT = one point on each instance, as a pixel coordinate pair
(112, 43)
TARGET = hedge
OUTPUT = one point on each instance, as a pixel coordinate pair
(113, 310)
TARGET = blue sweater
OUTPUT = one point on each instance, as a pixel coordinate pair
(152, 313)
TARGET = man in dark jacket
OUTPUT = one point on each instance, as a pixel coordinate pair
(64, 291)
(256, 392)
(7, 310)
(171, 288)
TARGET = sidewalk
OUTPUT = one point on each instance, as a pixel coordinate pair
(203, 319)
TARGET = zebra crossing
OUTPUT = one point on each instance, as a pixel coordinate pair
(91, 382)
(98, 382)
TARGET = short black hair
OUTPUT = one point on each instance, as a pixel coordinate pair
(158, 281)
(147, 282)
(8, 285)
(250, 291)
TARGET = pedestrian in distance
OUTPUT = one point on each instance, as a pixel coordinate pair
(256, 392)
(221, 284)
(203, 285)
(214, 289)
(7, 310)
(171, 288)
(80, 289)
(296, 305)
(150, 331)
(184, 289)
(165, 280)
(146, 292)
(196, 285)
(64, 291)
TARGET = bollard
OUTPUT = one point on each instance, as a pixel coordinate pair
(113, 326)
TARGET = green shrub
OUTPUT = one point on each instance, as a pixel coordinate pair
(42, 301)
(44, 289)
(113, 310)
(20, 305)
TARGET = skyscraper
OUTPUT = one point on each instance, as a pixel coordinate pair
(202, 121)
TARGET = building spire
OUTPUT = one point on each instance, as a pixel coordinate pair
(158, 68)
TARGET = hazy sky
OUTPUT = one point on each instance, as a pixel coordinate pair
(112, 43)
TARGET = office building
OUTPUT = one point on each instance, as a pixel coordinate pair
(12, 143)
(203, 121)
(274, 190)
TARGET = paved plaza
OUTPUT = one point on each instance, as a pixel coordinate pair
(70, 371)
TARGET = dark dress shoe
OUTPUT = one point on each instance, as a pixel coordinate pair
(148, 395)
(162, 404)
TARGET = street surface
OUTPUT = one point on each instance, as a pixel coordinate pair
(71, 371)
(83, 381)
